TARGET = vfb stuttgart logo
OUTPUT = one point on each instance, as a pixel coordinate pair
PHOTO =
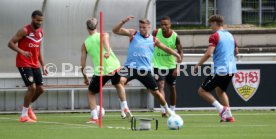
(246, 83)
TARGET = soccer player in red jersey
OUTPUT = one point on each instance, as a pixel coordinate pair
(28, 57)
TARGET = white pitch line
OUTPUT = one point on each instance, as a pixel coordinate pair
(68, 127)
(57, 123)
(73, 125)
(60, 123)
(118, 127)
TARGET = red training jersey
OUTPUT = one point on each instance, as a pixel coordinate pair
(30, 43)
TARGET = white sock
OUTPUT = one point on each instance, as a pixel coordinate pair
(124, 105)
(218, 106)
(163, 110)
(172, 107)
(229, 113)
(24, 112)
(168, 110)
(94, 114)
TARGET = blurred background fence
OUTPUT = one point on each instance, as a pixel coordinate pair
(195, 12)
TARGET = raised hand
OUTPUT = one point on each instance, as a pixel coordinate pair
(127, 19)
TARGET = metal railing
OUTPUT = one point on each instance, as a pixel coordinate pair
(259, 12)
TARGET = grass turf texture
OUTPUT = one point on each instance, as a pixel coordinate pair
(198, 125)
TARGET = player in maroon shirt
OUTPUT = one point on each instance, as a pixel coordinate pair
(28, 57)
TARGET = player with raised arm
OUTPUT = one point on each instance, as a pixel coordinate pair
(140, 52)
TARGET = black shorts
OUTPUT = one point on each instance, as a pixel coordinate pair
(214, 81)
(144, 76)
(95, 82)
(31, 75)
(163, 74)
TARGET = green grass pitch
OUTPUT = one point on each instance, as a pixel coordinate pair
(198, 125)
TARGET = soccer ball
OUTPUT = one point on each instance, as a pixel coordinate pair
(98, 111)
(175, 122)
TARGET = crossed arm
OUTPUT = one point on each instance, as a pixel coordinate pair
(168, 50)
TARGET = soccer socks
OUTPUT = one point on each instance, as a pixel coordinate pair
(218, 105)
(172, 107)
(224, 112)
(124, 105)
(163, 110)
(228, 113)
(168, 110)
(125, 112)
(94, 114)
(24, 112)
